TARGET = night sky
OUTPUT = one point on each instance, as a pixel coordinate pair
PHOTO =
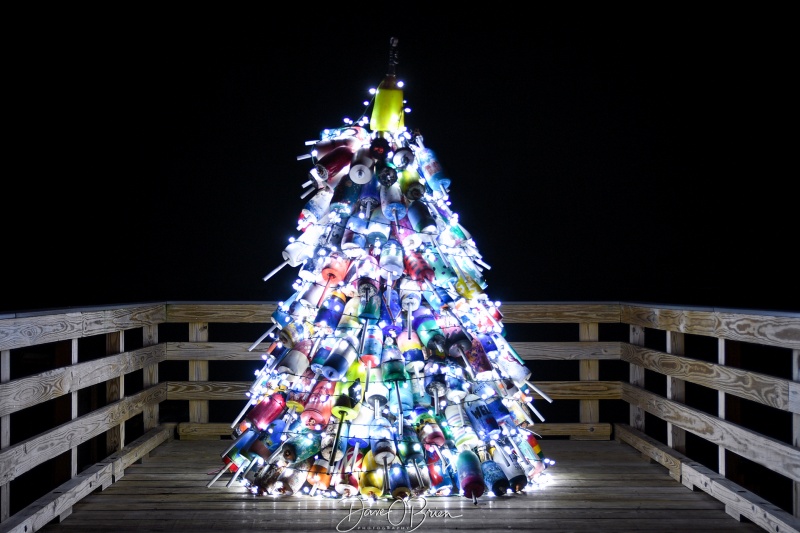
(638, 157)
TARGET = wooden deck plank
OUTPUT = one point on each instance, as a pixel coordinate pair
(598, 486)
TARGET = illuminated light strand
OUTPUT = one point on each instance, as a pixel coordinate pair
(461, 305)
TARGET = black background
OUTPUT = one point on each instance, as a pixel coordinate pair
(594, 156)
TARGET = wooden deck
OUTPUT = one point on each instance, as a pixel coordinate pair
(598, 486)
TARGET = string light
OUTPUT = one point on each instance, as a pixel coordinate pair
(387, 373)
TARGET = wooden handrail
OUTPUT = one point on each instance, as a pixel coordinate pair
(590, 388)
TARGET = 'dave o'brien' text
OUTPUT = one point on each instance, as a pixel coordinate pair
(408, 514)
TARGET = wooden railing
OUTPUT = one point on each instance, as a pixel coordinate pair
(710, 394)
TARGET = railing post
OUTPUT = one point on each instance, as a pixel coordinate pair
(676, 390)
(115, 390)
(589, 370)
(721, 466)
(73, 414)
(5, 434)
(728, 407)
(796, 432)
(198, 371)
(636, 337)
(150, 378)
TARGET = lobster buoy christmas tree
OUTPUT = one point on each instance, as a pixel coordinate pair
(387, 373)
